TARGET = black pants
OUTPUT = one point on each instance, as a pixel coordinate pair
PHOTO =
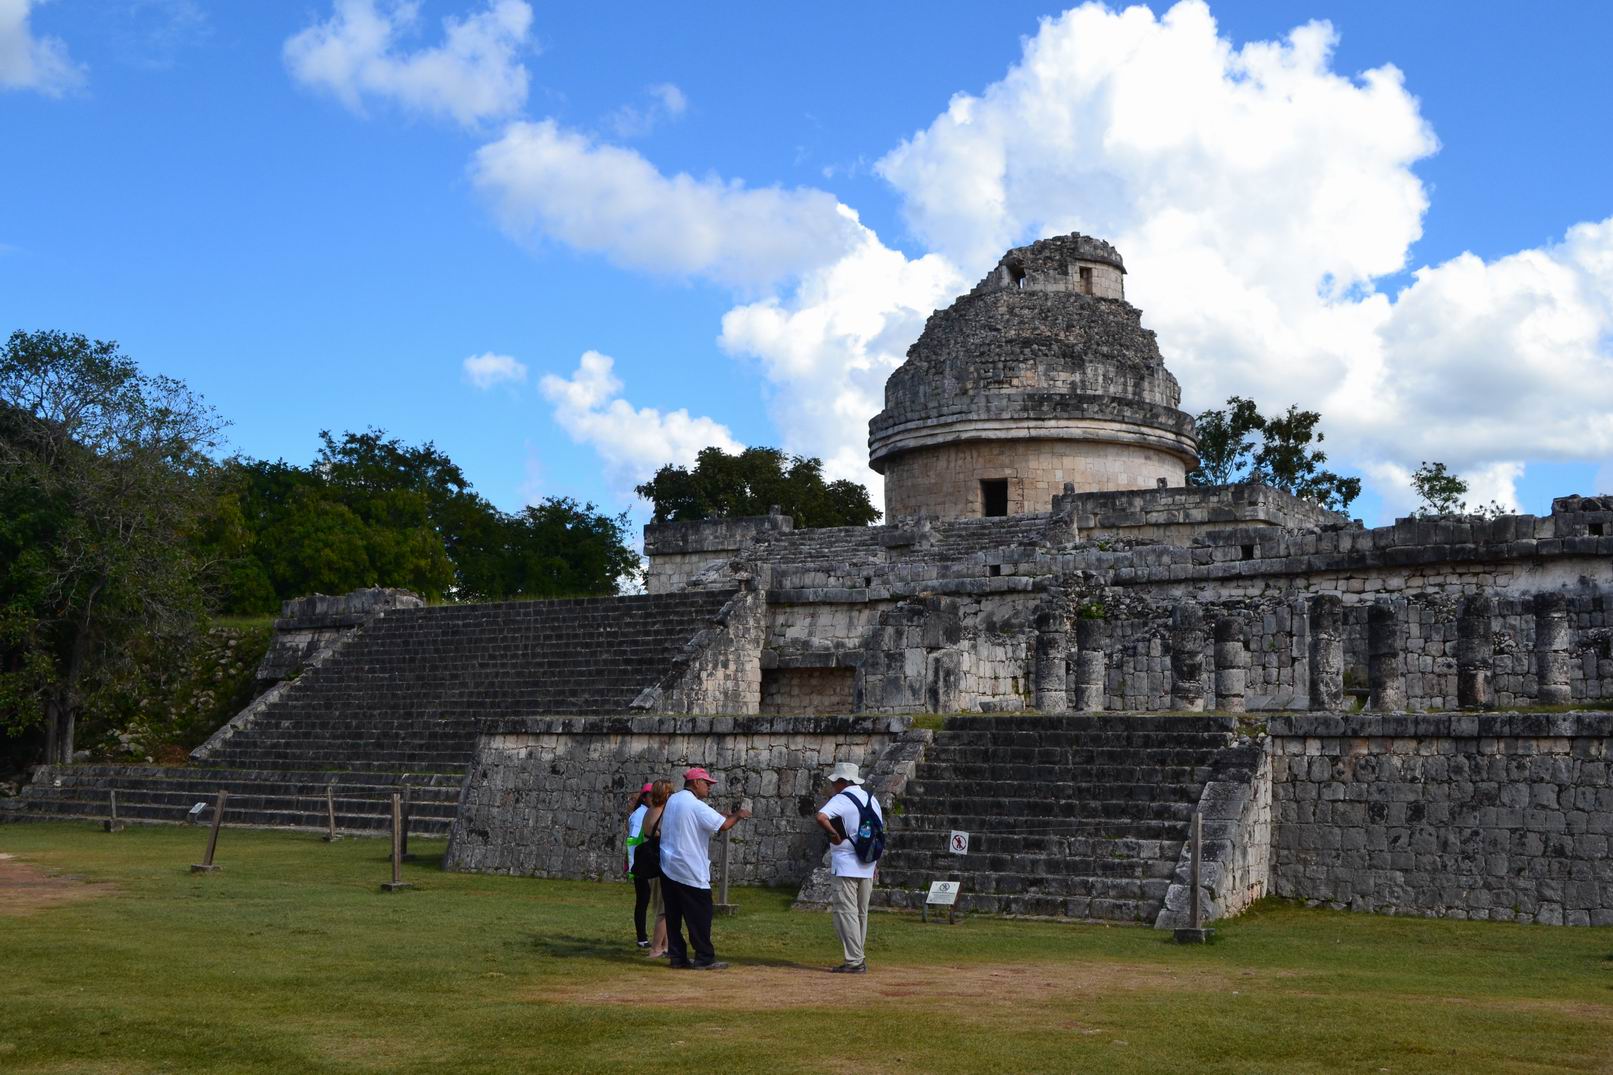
(685, 904)
(641, 904)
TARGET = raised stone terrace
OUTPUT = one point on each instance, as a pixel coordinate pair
(395, 703)
(1078, 817)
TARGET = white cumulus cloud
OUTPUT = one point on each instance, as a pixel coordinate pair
(358, 55)
(486, 370)
(632, 442)
(828, 347)
(545, 181)
(33, 62)
(1259, 196)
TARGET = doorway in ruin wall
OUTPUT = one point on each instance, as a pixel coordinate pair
(805, 692)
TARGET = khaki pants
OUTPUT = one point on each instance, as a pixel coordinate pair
(850, 910)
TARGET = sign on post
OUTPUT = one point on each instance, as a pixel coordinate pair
(942, 894)
(958, 844)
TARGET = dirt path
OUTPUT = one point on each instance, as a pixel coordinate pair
(25, 889)
(962, 987)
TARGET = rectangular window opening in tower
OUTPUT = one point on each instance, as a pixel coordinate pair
(1086, 279)
(993, 497)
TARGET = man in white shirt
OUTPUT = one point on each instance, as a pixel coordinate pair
(853, 878)
(687, 826)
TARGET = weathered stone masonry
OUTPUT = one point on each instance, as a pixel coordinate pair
(1505, 816)
(549, 798)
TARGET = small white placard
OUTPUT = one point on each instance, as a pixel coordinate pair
(958, 844)
(943, 893)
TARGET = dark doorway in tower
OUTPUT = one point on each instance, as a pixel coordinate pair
(1086, 280)
(994, 497)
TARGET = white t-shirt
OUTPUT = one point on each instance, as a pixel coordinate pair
(843, 860)
(635, 827)
(687, 826)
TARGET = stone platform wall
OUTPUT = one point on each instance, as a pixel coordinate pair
(550, 797)
(1505, 816)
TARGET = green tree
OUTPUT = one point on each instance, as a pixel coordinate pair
(1285, 457)
(108, 471)
(723, 486)
(1225, 448)
(1440, 491)
(1287, 460)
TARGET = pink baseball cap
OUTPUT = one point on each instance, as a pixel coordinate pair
(698, 773)
(649, 785)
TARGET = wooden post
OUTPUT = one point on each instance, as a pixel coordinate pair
(206, 865)
(331, 835)
(397, 881)
(112, 824)
(404, 838)
(1195, 932)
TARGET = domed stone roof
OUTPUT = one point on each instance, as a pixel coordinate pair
(1044, 347)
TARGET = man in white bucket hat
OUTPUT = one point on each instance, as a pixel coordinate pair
(853, 882)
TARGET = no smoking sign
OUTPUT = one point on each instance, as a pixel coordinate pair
(958, 843)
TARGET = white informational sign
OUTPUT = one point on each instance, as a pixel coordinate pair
(959, 843)
(943, 893)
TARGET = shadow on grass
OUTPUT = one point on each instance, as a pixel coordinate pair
(597, 949)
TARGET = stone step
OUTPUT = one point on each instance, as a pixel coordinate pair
(1051, 774)
(1092, 828)
(939, 861)
(1080, 908)
(1017, 813)
(944, 788)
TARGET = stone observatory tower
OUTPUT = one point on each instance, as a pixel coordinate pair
(1041, 375)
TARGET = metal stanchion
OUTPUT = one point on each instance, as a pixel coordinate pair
(206, 865)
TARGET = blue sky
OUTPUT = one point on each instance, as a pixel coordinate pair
(694, 226)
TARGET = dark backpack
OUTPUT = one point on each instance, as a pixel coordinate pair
(647, 855)
(869, 839)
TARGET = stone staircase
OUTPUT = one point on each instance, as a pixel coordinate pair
(397, 706)
(1071, 817)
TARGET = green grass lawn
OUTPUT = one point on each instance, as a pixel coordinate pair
(289, 959)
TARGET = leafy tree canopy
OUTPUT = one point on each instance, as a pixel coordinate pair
(1285, 457)
(105, 481)
(723, 486)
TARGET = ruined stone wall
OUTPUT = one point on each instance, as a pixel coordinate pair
(945, 480)
(550, 797)
(675, 553)
(1236, 807)
(808, 691)
(1503, 816)
(720, 670)
(1177, 515)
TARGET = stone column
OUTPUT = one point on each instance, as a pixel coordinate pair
(1089, 666)
(1187, 658)
(1475, 652)
(1386, 674)
(1551, 649)
(1231, 665)
(1052, 661)
(1327, 652)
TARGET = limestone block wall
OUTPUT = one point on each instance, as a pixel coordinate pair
(808, 691)
(1503, 816)
(550, 797)
(1177, 515)
(675, 553)
(1235, 871)
(944, 480)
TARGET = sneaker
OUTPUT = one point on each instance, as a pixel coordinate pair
(715, 964)
(850, 968)
(643, 944)
(685, 965)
